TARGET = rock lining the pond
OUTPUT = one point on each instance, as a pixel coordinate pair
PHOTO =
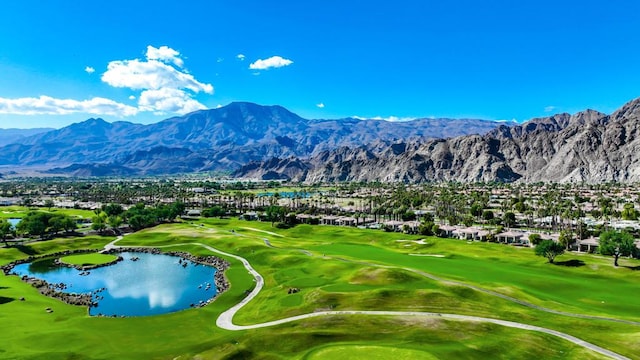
(52, 290)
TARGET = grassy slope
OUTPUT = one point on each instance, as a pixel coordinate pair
(20, 211)
(324, 282)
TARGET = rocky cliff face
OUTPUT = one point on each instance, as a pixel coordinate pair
(588, 146)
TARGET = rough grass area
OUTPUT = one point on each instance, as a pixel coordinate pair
(341, 269)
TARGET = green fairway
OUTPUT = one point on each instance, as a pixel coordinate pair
(368, 352)
(20, 211)
(88, 259)
(337, 269)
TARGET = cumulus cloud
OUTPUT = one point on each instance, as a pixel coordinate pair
(46, 105)
(152, 74)
(168, 100)
(272, 62)
(165, 88)
(390, 118)
(165, 54)
(164, 85)
(240, 57)
(321, 105)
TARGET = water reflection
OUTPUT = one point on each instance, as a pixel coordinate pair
(152, 284)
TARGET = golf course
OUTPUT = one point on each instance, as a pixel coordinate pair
(316, 292)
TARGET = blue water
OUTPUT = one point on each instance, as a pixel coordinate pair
(287, 194)
(155, 284)
(14, 222)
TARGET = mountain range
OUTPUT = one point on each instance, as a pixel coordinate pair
(8, 136)
(221, 139)
(270, 142)
(585, 147)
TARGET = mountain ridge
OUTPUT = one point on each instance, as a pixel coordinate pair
(588, 146)
(220, 139)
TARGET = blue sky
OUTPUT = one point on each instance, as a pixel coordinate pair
(63, 62)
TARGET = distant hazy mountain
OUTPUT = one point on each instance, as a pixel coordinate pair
(588, 146)
(8, 136)
(221, 139)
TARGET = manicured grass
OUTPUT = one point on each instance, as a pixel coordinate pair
(88, 259)
(19, 212)
(367, 352)
(336, 276)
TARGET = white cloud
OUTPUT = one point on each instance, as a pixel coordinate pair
(164, 54)
(165, 87)
(153, 74)
(219, 60)
(549, 108)
(272, 62)
(46, 105)
(218, 106)
(240, 57)
(390, 118)
(168, 100)
(321, 105)
(89, 70)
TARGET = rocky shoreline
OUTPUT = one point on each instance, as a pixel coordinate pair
(56, 290)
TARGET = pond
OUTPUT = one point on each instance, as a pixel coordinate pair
(287, 194)
(14, 222)
(141, 284)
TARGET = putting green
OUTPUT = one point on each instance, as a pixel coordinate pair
(88, 259)
(367, 352)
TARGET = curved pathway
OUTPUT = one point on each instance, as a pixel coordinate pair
(225, 320)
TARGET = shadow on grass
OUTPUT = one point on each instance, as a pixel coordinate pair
(632, 267)
(570, 263)
(4, 300)
(26, 249)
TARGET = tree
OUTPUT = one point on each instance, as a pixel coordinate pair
(114, 222)
(214, 211)
(35, 223)
(98, 222)
(509, 219)
(617, 243)
(112, 209)
(49, 204)
(549, 249)
(535, 239)
(276, 213)
(565, 239)
(487, 215)
(69, 224)
(6, 229)
(629, 212)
